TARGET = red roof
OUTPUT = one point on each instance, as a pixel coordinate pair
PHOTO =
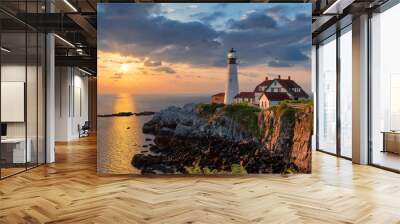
(249, 95)
(266, 83)
(276, 96)
(289, 85)
(219, 94)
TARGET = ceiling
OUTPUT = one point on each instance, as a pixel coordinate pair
(75, 23)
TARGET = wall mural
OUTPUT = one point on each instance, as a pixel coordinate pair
(204, 88)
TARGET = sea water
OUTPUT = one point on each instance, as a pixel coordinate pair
(120, 138)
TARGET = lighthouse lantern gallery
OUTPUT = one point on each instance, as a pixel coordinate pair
(204, 89)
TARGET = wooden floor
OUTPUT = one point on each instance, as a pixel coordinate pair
(69, 191)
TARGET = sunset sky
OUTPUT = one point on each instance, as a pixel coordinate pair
(181, 48)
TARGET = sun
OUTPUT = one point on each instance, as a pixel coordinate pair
(124, 67)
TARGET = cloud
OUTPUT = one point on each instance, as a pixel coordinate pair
(150, 63)
(261, 37)
(207, 17)
(222, 5)
(165, 69)
(157, 37)
(168, 10)
(193, 6)
(249, 74)
(117, 76)
(277, 63)
(253, 20)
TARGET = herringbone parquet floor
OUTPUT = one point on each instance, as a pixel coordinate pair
(69, 191)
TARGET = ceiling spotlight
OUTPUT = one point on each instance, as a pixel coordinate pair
(84, 71)
(5, 50)
(64, 40)
(337, 7)
(70, 5)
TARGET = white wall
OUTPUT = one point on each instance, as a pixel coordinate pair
(33, 126)
(15, 73)
(71, 102)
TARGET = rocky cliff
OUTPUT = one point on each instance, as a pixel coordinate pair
(212, 138)
(287, 130)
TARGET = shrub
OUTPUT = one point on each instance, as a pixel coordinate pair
(302, 101)
(208, 109)
(238, 169)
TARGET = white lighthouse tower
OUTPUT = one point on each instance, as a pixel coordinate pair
(232, 84)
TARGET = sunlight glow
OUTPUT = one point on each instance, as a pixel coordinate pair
(124, 67)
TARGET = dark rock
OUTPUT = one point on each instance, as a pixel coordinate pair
(150, 127)
(183, 130)
(165, 131)
(120, 114)
(145, 113)
(162, 141)
(142, 160)
(184, 138)
(155, 149)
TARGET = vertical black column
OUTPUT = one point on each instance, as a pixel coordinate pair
(369, 95)
(338, 73)
(37, 91)
(316, 110)
(26, 86)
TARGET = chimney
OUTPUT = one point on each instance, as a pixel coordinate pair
(279, 76)
(266, 78)
(288, 77)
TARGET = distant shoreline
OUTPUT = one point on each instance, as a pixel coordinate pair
(127, 114)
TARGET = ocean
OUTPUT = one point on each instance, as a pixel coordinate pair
(120, 138)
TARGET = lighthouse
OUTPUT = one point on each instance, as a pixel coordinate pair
(232, 83)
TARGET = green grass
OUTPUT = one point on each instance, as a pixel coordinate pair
(303, 101)
(245, 115)
(236, 169)
(208, 109)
